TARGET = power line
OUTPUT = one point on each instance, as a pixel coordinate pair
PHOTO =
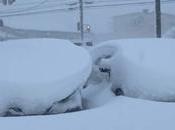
(86, 7)
(101, 1)
(34, 12)
(129, 4)
(40, 5)
(33, 3)
(30, 8)
(44, 5)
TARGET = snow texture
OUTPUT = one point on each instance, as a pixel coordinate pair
(170, 33)
(120, 113)
(143, 68)
(38, 72)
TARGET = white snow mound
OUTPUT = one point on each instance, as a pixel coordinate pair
(143, 68)
(37, 72)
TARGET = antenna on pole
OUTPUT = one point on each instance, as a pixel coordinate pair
(158, 18)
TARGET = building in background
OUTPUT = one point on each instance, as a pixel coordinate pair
(141, 24)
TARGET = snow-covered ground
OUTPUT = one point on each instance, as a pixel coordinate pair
(149, 67)
(121, 113)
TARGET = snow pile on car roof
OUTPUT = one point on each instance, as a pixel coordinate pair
(37, 72)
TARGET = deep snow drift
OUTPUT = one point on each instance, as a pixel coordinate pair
(36, 73)
(119, 112)
(143, 68)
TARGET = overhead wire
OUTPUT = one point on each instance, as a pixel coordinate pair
(29, 8)
(44, 4)
(33, 3)
(131, 3)
(86, 7)
(41, 4)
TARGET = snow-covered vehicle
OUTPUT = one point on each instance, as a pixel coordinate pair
(141, 68)
(41, 76)
(86, 42)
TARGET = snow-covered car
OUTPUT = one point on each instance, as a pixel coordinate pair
(85, 42)
(141, 68)
(41, 76)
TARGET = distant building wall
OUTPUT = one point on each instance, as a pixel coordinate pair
(142, 24)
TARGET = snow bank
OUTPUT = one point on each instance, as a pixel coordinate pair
(143, 68)
(97, 95)
(35, 73)
(121, 113)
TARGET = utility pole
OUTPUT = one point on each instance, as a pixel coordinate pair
(158, 18)
(81, 20)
